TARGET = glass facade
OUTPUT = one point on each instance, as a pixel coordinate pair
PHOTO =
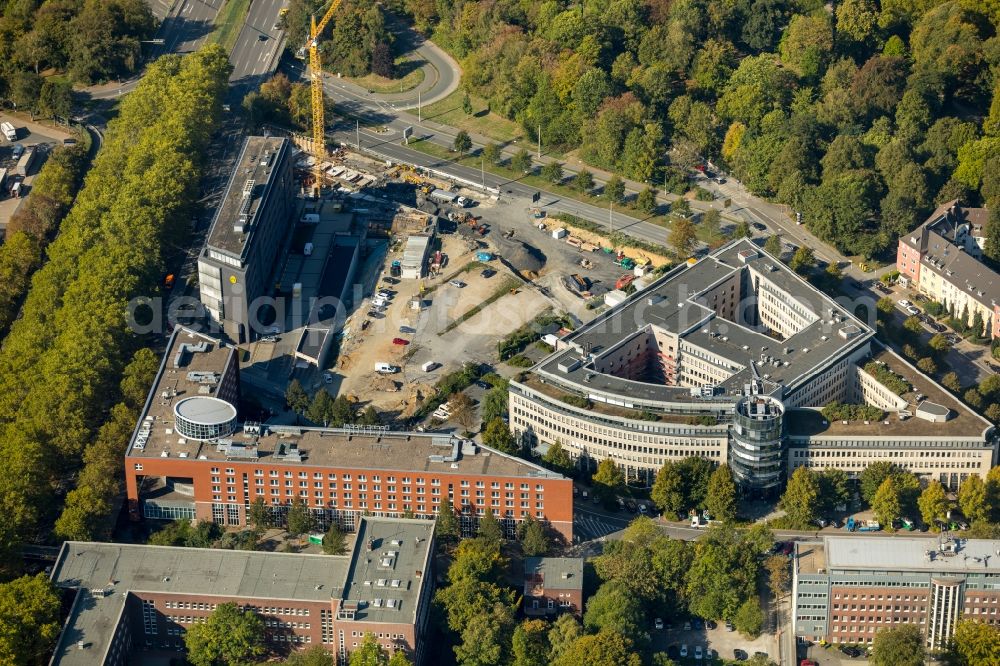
(756, 443)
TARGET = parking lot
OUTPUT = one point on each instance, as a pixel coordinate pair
(694, 634)
(29, 134)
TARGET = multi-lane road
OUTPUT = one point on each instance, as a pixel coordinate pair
(258, 48)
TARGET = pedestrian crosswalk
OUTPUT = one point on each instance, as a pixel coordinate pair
(588, 526)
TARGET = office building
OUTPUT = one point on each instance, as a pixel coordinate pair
(250, 232)
(942, 259)
(191, 457)
(553, 585)
(127, 602)
(846, 588)
(731, 358)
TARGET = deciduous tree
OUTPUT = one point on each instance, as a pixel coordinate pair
(720, 500)
(228, 636)
(902, 645)
(801, 500)
(29, 615)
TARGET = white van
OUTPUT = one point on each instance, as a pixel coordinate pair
(307, 249)
(428, 366)
(386, 368)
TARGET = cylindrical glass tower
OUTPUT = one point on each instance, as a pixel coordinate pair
(756, 445)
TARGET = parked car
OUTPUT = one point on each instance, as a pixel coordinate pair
(488, 273)
(698, 652)
(851, 651)
(407, 329)
(327, 378)
(730, 626)
(684, 650)
(759, 227)
(457, 283)
(687, 625)
(658, 624)
(269, 339)
(711, 624)
(740, 655)
(808, 662)
(400, 341)
(912, 310)
(904, 303)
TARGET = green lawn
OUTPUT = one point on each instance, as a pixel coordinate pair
(448, 111)
(228, 23)
(380, 84)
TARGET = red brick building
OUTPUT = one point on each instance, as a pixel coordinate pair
(133, 600)
(189, 458)
(553, 585)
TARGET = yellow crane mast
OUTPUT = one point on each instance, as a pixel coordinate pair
(316, 82)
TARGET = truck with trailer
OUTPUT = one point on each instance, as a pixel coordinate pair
(24, 164)
(862, 525)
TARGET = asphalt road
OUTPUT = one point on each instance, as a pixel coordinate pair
(258, 48)
(388, 147)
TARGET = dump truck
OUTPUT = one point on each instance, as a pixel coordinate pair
(624, 281)
(862, 525)
(442, 196)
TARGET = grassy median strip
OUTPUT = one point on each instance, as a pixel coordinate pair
(505, 287)
(228, 23)
(379, 84)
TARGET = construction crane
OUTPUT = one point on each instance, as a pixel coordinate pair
(316, 84)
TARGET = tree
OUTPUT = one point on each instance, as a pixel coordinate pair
(720, 500)
(834, 490)
(298, 520)
(466, 104)
(803, 260)
(314, 656)
(886, 504)
(296, 397)
(773, 245)
(462, 410)
(872, 477)
(614, 609)
(912, 324)
(334, 541)
(497, 435)
(521, 161)
(646, 201)
(229, 636)
(927, 365)
(531, 643)
(605, 648)
(584, 180)
(534, 541)
(609, 481)
(446, 527)
(951, 382)
(902, 645)
(29, 615)
(320, 410)
(801, 500)
(56, 99)
(557, 458)
(749, 619)
(463, 143)
(492, 153)
(489, 528)
(259, 515)
(933, 504)
(778, 575)
(682, 236)
(382, 61)
(552, 172)
(742, 230)
(668, 489)
(369, 653)
(976, 643)
(399, 658)
(565, 630)
(614, 189)
(975, 500)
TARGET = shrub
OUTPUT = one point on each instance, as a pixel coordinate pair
(576, 401)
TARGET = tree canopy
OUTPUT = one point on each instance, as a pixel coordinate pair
(229, 636)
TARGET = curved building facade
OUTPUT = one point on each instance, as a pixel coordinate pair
(756, 442)
(733, 358)
(203, 418)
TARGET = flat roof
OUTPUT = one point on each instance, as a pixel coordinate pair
(123, 568)
(963, 422)
(205, 410)
(190, 365)
(675, 303)
(410, 452)
(386, 580)
(259, 160)
(911, 554)
(810, 557)
(558, 573)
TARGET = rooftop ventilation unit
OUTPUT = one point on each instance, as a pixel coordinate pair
(569, 365)
(181, 357)
(248, 188)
